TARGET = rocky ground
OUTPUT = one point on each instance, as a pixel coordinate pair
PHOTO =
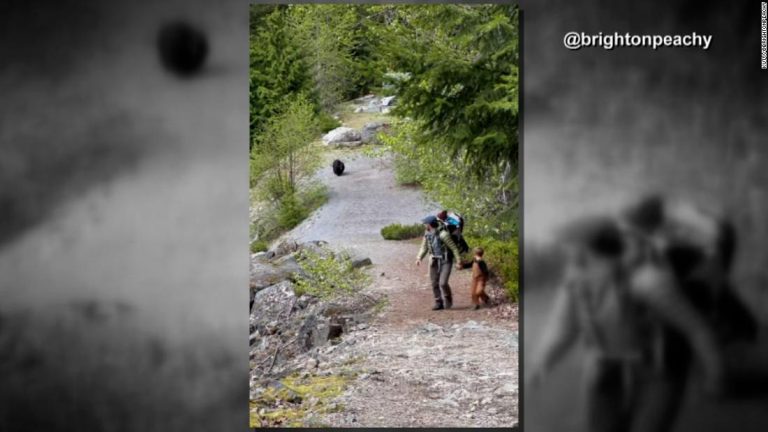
(427, 375)
(380, 357)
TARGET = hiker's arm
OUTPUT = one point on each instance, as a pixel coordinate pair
(446, 238)
(656, 287)
(559, 334)
(422, 250)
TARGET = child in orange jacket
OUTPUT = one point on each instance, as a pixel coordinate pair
(479, 279)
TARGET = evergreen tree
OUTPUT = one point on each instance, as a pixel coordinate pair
(463, 86)
(277, 68)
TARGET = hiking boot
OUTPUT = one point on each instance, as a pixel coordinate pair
(477, 306)
(437, 306)
(448, 304)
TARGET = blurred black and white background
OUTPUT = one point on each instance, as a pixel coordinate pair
(604, 127)
(123, 218)
(124, 208)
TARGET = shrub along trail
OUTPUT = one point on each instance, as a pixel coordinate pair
(414, 367)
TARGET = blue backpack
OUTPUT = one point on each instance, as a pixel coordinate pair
(454, 223)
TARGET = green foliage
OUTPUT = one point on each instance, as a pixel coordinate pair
(326, 122)
(259, 246)
(502, 259)
(277, 67)
(328, 276)
(324, 34)
(402, 232)
(291, 213)
(284, 155)
(463, 86)
(276, 217)
(339, 48)
(488, 200)
(299, 397)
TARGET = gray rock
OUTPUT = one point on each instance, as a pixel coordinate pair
(341, 135)
(313, 332)
(288, 262)
(449, 402)
(304, 301)
(430, 328)
(365, 99)
(375, 125)
(290, 395)
(266, 273)
(388, 100)
(285, 247)
(347, 144)
(311, 363)
(270, 306)
(371, 130)
(272, 327)
(505, 390)
(318, 246)
(361, 262)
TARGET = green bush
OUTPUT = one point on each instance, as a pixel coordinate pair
(313, 197)
(259, 246)
(326, 122)
(290, 213)
(503, 261)
(328, 276)
(402, 232)
(277, 217)
(488, 202)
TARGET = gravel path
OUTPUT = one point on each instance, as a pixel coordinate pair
(416, 367)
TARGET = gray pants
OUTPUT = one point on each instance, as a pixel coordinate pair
(439, 272)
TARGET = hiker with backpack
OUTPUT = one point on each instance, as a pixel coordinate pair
(443, 253)
(454, 223)
(700, 246)
(618, 299)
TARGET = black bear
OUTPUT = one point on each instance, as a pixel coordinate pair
(338, 167)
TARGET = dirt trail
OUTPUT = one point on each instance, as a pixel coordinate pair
(416, 367)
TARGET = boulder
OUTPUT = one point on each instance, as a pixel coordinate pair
(388, 101)
(313, 332)
(347, 144)
(358, 262)
(265, 273)
(341, 134)
(270, 307)
(318, 247)
(284, 248)
(365, 99)
(371, 130)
